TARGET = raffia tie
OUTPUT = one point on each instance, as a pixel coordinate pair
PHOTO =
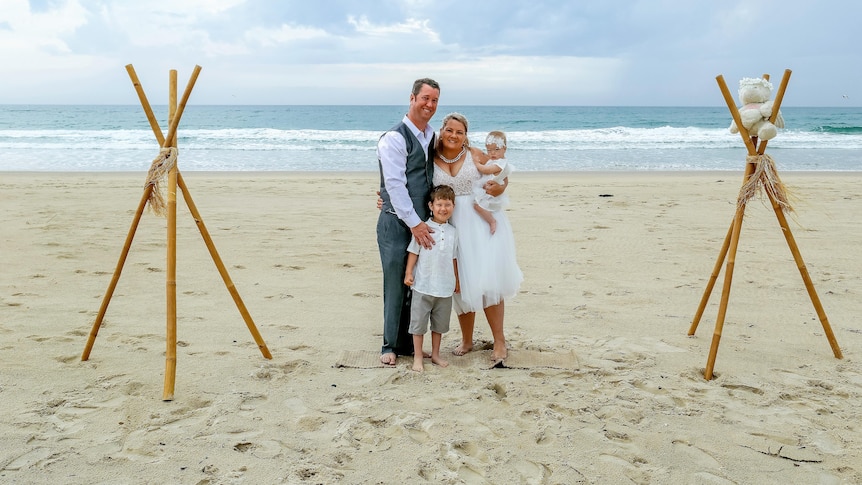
(765, 177)
(157, 176)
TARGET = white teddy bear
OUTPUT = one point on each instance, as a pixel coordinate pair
(754, 93)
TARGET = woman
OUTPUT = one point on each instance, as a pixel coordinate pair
(487, 268)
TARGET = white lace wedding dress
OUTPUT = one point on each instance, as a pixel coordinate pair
(487, 267)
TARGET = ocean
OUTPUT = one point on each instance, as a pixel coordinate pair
(343, 138)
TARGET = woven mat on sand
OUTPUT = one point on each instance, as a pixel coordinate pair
(518, 359)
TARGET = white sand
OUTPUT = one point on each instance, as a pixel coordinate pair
(615, 279)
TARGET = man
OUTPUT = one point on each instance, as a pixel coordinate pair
(406, 170)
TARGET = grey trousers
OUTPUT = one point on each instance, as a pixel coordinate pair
(393, 237)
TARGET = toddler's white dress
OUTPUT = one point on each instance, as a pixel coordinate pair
(486, 200)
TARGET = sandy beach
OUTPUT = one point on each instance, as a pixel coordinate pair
(615, 265)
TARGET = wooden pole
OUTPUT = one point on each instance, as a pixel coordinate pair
(171, 274)
(707, 292)
(117, 271)
(154, 124)
(736, 228)
(806, 278)
(776, 104)
(170, 138)
(749, 169)
(148, 111)
(221, 268)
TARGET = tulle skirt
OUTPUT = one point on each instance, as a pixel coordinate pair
(487, 266)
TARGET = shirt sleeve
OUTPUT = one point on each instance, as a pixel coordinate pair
(392, 150)
(414, 246)
(505, 170)
(456, 253)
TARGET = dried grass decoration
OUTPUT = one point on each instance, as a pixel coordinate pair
(157, 176)
(765, 177)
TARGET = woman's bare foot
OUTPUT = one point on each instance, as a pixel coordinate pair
(500, 352)
(462, 350)
(388, 358)
(439, 361)
(418, 365)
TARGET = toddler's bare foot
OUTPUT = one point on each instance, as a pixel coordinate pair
(418, 365)
(462, 349)
(439, 361)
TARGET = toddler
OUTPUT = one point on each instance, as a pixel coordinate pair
(496, 169)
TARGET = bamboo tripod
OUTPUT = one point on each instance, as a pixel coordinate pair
(175, 179)
(731, 241)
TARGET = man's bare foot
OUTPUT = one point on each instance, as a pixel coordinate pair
(439, 361)
(427, 355)
(388, 358)
(418, 365)
(462, 350)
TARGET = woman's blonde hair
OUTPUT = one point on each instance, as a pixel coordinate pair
(460, 119)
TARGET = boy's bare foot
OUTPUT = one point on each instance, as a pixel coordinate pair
(388, 358)
(462, 350)
(418, 365)
(439, 361)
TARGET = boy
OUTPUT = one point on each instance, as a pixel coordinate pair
(435, 279)
(496, 169)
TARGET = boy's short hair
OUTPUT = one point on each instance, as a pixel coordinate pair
(496, 138)
(442, 192)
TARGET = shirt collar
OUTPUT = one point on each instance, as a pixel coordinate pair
(416, 131)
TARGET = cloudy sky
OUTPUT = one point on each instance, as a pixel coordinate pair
(504, 52)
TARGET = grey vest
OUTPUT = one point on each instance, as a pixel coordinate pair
(420, 172)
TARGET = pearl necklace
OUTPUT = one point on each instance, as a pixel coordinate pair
(453, 160)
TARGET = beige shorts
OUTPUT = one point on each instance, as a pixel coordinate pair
(425, 308)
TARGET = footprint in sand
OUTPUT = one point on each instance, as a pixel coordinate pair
(184, 418)
(696, 454)
(294, 268)
(29, 459)
(742, 387)
(628, 467)
(464, 458)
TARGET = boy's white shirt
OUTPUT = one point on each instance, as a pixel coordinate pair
(434, 273)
